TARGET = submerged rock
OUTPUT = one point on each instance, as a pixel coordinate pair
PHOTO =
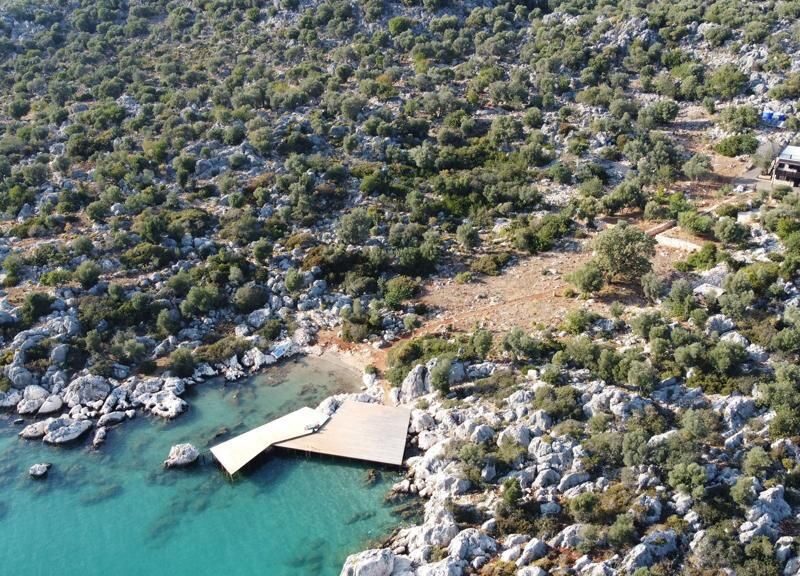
(181, 455)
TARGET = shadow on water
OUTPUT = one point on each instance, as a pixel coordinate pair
(186, 502)
(101, 494)
(360, 517)
(312, 559)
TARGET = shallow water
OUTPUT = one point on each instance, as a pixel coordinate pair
(116, 511)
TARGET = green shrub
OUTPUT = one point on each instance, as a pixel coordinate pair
(57, 277)
(399, 289)
(490, 264)
(250, 297)
(737, 145)
(588, 278)
(585, 507)
(87, 273)
(181, 363)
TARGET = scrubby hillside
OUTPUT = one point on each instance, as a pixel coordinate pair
(571, 191)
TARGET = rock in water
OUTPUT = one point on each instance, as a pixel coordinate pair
(181, 455)
(35, 430)
(39, 470)
(99, 437)
(63, 430)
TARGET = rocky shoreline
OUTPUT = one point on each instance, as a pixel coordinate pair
(91, 401)
(550, 469)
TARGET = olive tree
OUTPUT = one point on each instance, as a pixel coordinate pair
(623, 253)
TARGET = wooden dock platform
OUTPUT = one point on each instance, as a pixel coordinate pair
(361, 431)
(235, 453)
(357, 430)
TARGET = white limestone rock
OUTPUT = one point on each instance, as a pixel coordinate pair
(421, 421)
(111, 418)
(32, 399)
(765, 514)
(63, 430)
(719, 323)
(255, 359)
(53, 403)
(34, 430)
(651, 549)
(181, 455)
(165, 404)
(569, 537)
(86, 389)
(482, 434)
(10, 398)
(533, 550)
(39, 470)
(379, 562)
(19, 376)
(471, 543)
(99, 437)
(415, 384)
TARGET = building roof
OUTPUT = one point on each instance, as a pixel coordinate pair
(790, 153)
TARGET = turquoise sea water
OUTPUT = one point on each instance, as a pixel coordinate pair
(117, 511)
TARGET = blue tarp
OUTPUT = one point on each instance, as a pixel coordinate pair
(772, 118)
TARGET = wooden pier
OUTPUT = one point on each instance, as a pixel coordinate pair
(357, 430)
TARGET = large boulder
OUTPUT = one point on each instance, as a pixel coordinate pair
(763, 517)
(255, 359)
(58, 355)
(34, 430)
(378, 562)
(482, 434)
(515, 435)
(446, 567)
(720, 324)
(63, 430)
(257, 318)
(19, 376)
(533, 550)
(51, 404)
(415, 384)
(181, 455)
(32, 399)
(165, 404)
(10, 398)
(569, 537)
(471, 543)
(110, 418)
(651, 549)
(86, 389)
